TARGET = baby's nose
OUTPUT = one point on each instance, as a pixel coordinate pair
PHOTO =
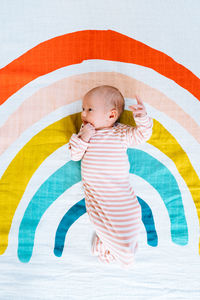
(83, 113)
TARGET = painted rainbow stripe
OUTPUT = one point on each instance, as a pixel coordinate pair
(71, 92)
(77, 210)
(47, 194)
(81, 45)
(57, 131)
(36, 151)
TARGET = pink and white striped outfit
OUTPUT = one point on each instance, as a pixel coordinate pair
(110, 201)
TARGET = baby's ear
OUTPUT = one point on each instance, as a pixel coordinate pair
(114, 113)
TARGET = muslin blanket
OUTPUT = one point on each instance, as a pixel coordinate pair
(51, 54)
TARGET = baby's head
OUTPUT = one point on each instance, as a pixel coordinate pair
(102, 106)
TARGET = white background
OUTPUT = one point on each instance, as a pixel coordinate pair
(165, 272)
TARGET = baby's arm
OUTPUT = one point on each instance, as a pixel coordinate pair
(141, 133)
(144, 124)
(79, 142)
(77, 147)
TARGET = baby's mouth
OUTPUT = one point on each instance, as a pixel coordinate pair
(84, 123)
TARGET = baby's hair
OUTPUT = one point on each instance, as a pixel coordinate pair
(113, 97)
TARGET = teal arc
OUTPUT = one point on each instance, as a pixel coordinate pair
(78, 209)
(70, 174)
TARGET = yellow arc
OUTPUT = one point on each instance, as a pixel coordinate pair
(16, 177)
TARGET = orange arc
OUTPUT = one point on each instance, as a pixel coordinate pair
(73, 48)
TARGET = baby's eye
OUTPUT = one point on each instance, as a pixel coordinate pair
(89, 109)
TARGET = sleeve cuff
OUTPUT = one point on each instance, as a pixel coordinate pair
(141, 118)
(78, 139)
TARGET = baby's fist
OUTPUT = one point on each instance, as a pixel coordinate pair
(86, 132)
(139, 109)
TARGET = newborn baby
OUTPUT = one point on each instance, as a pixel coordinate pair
(102, 143)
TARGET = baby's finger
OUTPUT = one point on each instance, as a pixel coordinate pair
(141, 111)
(136, 107)
(93, 129)
(133, 106)
(141, 108)
(88, 125)
(139, 100)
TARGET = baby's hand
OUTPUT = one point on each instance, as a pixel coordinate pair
(139, 109)
(86, 132)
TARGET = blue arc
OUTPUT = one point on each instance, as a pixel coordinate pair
(77, 210)
(148, 221)
(73, 214)
(141, 164)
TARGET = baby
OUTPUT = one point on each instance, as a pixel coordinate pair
(110, 201)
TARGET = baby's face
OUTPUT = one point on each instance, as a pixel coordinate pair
(94, 112)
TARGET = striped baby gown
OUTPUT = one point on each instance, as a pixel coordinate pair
(110, 201)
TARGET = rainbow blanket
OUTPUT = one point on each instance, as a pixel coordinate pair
(52, 53)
